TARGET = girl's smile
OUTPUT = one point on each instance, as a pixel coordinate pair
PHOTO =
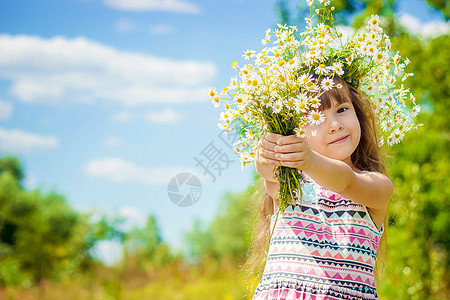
(340, 140)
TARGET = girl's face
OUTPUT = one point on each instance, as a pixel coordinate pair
(338, 136)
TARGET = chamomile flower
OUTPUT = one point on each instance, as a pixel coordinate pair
(212, 93)
(216, 101)
(265, 100)
(309, 2)
(304, 79)
(316, 117)
(314, 102)
(395, 137)
(300, 132)
(277, 106)
(325, 2)
(233, 83)
(225, 127)
(327, 83)
(337, 67)
(407, 75)
(321, 69)
(380, 57)
(416, 110)
(301, 103)
(226, 116)
(248, 54)
(374, 20)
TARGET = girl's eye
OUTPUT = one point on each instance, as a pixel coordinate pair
(342, 109)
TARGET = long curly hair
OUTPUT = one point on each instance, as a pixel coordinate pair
(367, 156)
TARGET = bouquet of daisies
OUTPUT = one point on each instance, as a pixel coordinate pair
(278, 90)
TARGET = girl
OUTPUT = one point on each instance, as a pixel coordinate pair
(325, 246)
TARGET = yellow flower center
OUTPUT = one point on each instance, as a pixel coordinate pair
(316, 117)
(211, 93)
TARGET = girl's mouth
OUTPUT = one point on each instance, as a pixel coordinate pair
(340, 140)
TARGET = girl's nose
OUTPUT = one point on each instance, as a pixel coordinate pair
(336, 126)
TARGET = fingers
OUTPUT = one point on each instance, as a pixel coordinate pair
(289, 148)
(269, 161)
(268, 141)
(296, 156)
(289, 139)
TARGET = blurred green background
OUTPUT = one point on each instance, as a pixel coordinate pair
(45, 244)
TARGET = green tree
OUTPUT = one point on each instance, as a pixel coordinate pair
(41, 236)
(145, 248)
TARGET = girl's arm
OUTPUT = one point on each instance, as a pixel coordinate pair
(371, 189)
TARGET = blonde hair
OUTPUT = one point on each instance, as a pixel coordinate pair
(367, 156)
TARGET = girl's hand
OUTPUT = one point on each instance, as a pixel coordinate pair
(265, 160)
(292, 151)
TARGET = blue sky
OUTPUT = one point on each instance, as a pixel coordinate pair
(104, 101)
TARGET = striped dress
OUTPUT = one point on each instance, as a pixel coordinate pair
(323, 248)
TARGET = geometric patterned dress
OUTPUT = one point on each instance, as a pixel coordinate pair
(323, 248)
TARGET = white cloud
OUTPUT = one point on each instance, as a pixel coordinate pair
(122, 116)
(45, 70)
(6, 109)
(17, 141)
(161, 29)
(429, 29)
(125, 26)
(178, 6)
(167, 116)
(123, 171)
(111, 142)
